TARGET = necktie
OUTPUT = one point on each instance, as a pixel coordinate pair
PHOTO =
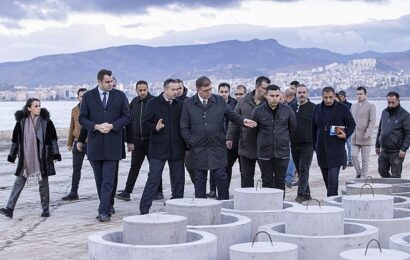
(204, 102)
(104, 101)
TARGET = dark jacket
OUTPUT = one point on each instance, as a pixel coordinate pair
(104, 146)
(303, 132)
(203, 131)
(294, 102)
(247, 141)
(330, 150)
(47, 143)
(232, 104)
(347, 103)
(138, 109)
(394, 131)
(167, 144)
(274, 130)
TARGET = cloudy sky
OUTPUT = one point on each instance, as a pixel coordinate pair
(31, 28)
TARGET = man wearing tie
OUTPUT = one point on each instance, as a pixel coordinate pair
(104, 113)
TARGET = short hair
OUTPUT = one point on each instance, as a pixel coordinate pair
(224, 85)
(169, 81)
(328, 89)
(294, 83)
(393, 94)
(272, 87)
(141, 82)
(301, 86)
(179, 81)
(102, 73)
(361, 88)
(242, 87)
(260, 80)
(202, 82)
(289, 92)
(81, 90)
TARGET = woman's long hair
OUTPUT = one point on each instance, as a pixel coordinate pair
(28, 104)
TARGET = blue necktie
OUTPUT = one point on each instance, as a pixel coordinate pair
(104, 101)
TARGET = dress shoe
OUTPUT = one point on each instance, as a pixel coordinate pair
(159, 196)
(103, 218)
(71, 196)
(300, 199)
(307, 197)
(45, 214)
(123, 195)
(211, 194)
(8, 212)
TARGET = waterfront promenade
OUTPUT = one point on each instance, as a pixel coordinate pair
(64, 234)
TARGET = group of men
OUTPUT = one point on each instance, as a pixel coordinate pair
(209, 132)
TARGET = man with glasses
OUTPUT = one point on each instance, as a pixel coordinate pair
(393, 137)
(202, 127)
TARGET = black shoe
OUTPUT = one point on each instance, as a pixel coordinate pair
(295, 183)
(289, 185)
(112, 210)
(300, 199)
(211, 194)
(159, 196)
(123, 195)
(350, 164)
(358, 176)
(8, 212)
(45, 214)
(71, 196)
(103, 218)
(307, 197)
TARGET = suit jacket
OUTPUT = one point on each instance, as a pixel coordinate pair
(330, 150)
(167, 143)
(365, 118)
(203, 131)
(104, 146)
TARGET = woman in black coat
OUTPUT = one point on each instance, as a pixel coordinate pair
(34, 142)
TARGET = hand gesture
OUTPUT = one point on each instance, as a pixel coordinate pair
(69, 148)
(249, 123)
(159, 125)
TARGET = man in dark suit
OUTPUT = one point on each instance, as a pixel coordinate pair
(332, 124)
(166, 144)
(202, 127)
(104, 113)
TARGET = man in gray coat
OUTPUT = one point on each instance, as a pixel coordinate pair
(202, 127)
(247, 141)
(364, 114)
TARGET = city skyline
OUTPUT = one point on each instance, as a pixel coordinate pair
(33, 28)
